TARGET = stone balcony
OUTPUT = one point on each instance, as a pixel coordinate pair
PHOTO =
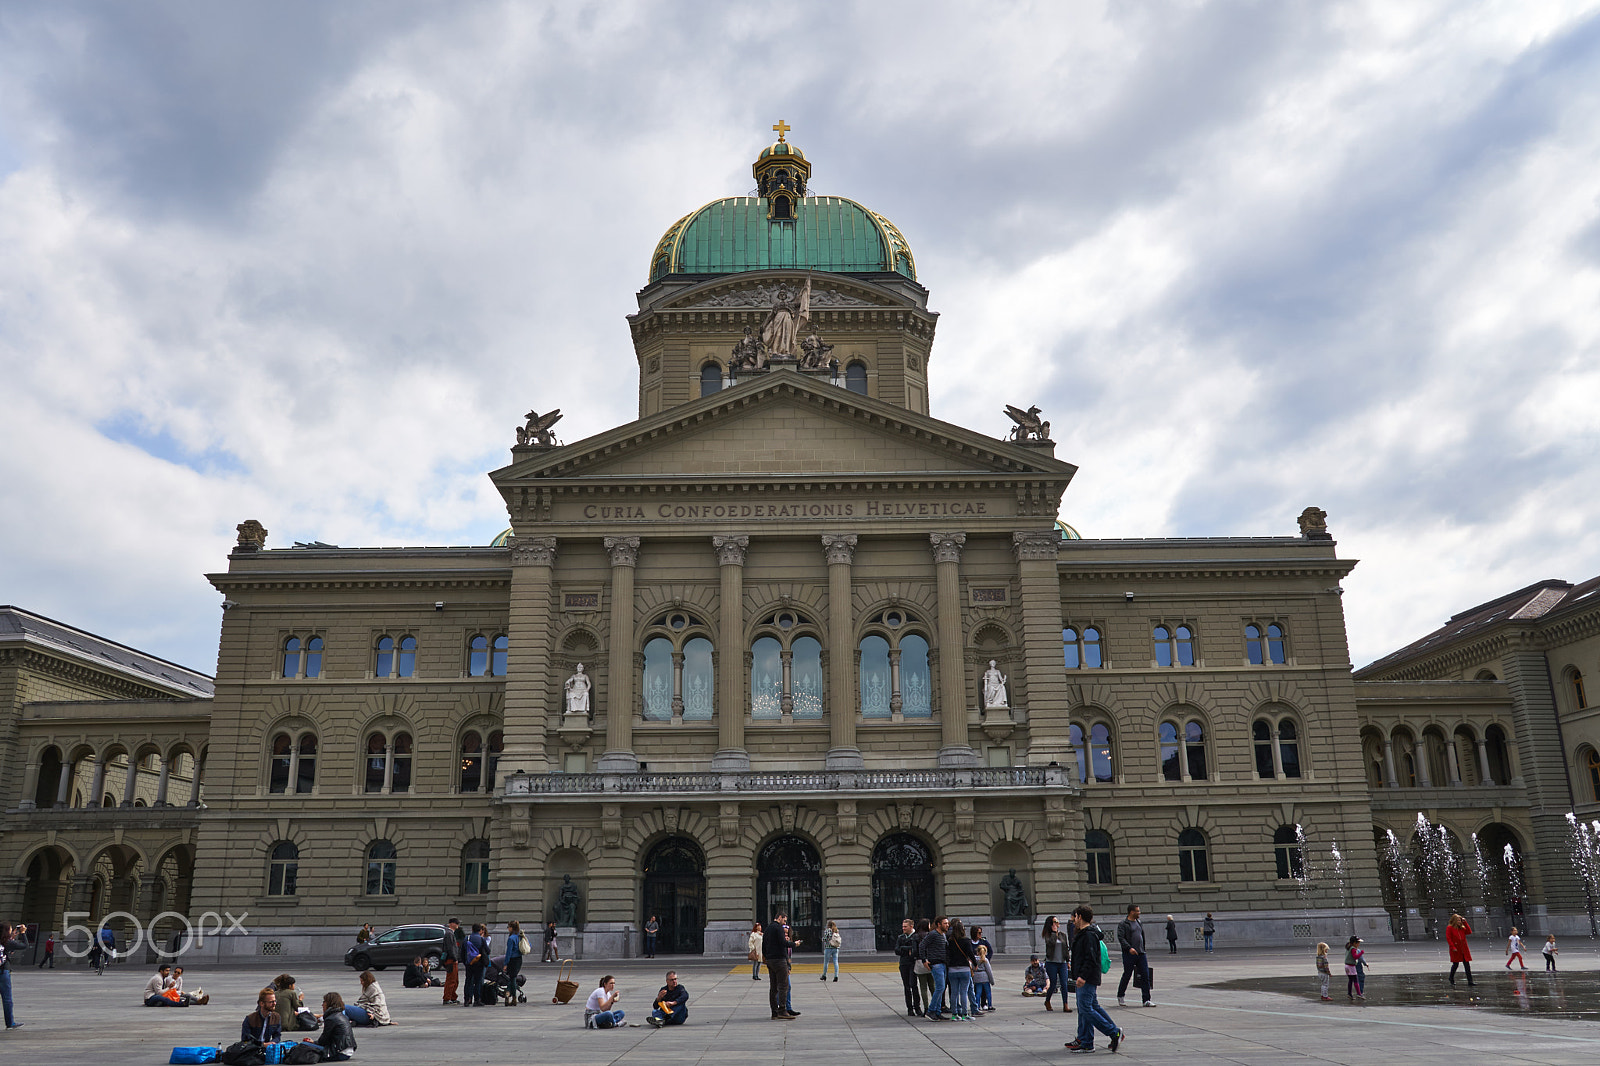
(815, 784)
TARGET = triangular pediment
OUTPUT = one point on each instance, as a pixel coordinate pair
(788, 425)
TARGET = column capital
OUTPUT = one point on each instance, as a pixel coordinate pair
(1034, 544)
(624, 550)
(947, 546)
(730, 549)
(532, 551)
(839, 548)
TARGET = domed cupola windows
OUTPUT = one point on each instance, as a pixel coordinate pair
(781, 173)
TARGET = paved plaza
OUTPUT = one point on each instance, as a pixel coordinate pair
(73, 1016)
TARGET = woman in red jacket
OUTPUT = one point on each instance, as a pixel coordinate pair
(1455, 934)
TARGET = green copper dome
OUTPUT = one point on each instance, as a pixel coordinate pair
(782, 227)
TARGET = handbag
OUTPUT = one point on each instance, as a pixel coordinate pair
(522, 944)
(922, 967)
(753, 955)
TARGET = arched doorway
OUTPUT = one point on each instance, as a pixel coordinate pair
(789, 879)
(675, 893)
(902, 885)
(44, 893)
(1505, 889)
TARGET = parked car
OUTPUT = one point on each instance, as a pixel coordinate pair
(397, 947)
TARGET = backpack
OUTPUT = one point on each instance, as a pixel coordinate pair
(243, 1053)
(303, 1054)
(473, 954)
(1105, 955)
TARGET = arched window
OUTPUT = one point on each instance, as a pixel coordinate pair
(388, 763)
(1499, 753)
(283, 869)
(1100, 753)
(855, 378)
(806, 678)
(656, 691)
(302, 657)
(786, 668)
(875, 688)
(1079, 753)
(1194, 738)
(377, 762)
(1097, 857)
(1277, 748)
(486, 655)
(475, 868)
(1289, 747)
(381, 863)
(766, 678)
(896, 679)
(305, 773)
(1286, 850)
(1174, 645)
(1580, 699)
(400, 778)
(471, 779)
(1263, 643)
(710, 379)
(497, 747)
(294, 761)
(1591, 762)
(395, 658)
(1081, 648)
(1193, 862)
(916, 682)
(1171, 752)
(1183, 750)
(282, 757)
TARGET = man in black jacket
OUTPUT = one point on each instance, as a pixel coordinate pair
(1135, 963)
(451, 955)
(905, 948)
(775, 945)
(934, 949)
(1086, 978)
(671, 1003)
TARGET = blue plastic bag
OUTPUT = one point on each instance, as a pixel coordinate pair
(191, 1055)
(273, 1052)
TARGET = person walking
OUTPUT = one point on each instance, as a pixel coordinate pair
(1324, 974)
(1209, 929)
(652, 928)
(775, 945)
(10, 943)
(49, 952)
(1455, 935)
(1056, 946)
(905, 950)
(832, 941)
(1086, 974)
(1550, 952)
(477, 955)
(1172, 936)
(552, 944)
(935, 950)
(754, 954)
(1514, 950)
(1135, 963)
(451, 955)
(1354, 963)
(516, 947)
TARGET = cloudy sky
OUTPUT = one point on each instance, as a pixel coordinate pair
(310, 263)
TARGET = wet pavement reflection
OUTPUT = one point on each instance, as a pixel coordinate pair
(1574, 994)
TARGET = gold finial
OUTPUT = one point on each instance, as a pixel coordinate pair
(782, 127)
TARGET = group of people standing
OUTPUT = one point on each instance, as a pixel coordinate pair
(945, 969)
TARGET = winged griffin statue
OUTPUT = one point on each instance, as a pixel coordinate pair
(1029, 426)
(537, 431)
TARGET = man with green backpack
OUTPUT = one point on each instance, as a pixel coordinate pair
(1090, 959)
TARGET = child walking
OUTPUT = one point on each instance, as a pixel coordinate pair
(983, 982)
(1323, 973)
(1514, 949)
(1550, 952)
(1355, 969)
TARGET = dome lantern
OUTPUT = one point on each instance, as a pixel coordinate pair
(781, 173)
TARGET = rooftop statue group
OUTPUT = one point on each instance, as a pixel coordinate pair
(780, 336)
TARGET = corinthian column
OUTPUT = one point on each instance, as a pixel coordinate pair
(956, 749)
(533, 561)
(840, 550)
(619, 756)
(731, 754)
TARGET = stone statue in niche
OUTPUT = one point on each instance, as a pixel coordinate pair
(567, 899)
(814, 353)
(790, 313)
(748, 353)
(537, 431)
(1016, 899)
(577, 689)
(1029, 426)
(994, 688)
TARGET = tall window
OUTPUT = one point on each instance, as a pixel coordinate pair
(1174, 645)
(1081, 648)
(1080, 754)
(1183, 750)
(497, 747)
(1277, 748)
(1286, 850)
(1591, 762)
(1580, 698)
(475, 868)
(294, 763)
(710, 379)
(1193, 861)
(1097, 857)
(895, 675)
(381, 862)
(1100, 761)
(679, 679)
(486, 655)
(302, 657)
(657, 689)
(395, 658)
(283, 869)
(855, 378)
(1264, 644)
(388, 766)
(471, 779)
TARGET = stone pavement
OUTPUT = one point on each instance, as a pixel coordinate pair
(73, 1016)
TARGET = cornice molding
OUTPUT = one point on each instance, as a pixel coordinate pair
(52, 664)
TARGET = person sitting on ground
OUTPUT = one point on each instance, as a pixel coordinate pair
(291, 1007)
(155, 992)
(601, 1012)
(672, 1003)
(199, 997)
(264, 1025)
(1033, 978)
(337, 1039)
(370, 1008)
(417, 975)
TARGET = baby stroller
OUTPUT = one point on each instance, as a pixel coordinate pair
(497, 987)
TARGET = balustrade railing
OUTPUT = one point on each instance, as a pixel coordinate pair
(764, 781)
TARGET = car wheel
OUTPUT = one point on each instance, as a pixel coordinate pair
(430, 961)
(361, 962)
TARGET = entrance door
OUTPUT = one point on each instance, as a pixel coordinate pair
(675, 893)
(902, 885)
(789, 879)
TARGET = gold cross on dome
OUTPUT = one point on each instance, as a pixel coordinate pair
(782, 127)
